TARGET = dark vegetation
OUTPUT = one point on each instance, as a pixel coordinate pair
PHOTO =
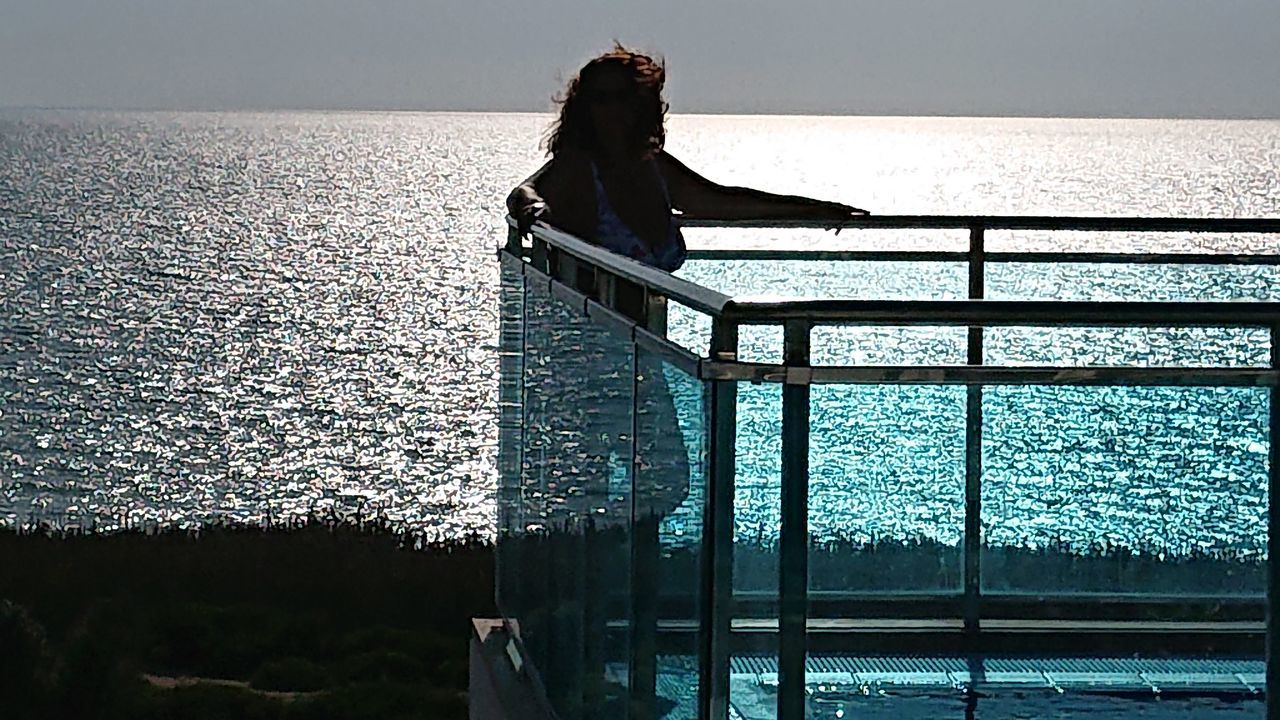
(1058, 568)
(317, 620)
(349, 620)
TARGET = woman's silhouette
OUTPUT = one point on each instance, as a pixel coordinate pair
(609, 180)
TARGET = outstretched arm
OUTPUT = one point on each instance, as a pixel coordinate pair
(698, 197)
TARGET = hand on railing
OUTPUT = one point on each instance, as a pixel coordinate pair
(836, 213)
(526, 215)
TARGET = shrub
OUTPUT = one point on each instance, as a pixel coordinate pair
(381, 701)
(390, 665)
(207, 702)
(290, 674)
(24, 662)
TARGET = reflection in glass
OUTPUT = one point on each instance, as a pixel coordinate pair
(576, 506)
(670, 491)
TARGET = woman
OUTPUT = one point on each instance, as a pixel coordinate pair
(610, 181)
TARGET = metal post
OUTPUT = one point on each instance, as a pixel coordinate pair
(715, 612)
(637, 701)
(655, 310)
(977, 280)
(538, 255)
(566, 269)
(606, 288)
(793, 543)
(973, 453)
(1273, 540)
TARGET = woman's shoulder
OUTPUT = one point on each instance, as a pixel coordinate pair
(573, 157)
(568, 170)
(569, 191)
(572, 169)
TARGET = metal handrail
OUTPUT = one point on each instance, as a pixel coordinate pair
(1004, 256)
(688, 293)
(1081, 376)
(974, 312)
(1010, 222)
(1038, 313)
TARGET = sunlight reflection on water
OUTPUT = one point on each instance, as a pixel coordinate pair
(240, 315)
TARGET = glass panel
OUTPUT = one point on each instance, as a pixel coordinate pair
(757, 514)
(574, 550)
(757, 503)
(510, 436)
(886, 492)
(689, 329)
(760, 343)
(1158, 491)
(1150, 490)
(671, 485)
(886, 518)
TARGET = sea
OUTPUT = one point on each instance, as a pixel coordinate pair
(260, 316)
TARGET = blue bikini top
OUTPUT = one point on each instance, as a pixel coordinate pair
(614, 234)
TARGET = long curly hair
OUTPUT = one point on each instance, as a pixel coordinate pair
(574, 128)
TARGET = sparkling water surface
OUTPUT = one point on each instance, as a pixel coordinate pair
(258, 315)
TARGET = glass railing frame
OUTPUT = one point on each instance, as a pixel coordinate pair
(593, 274)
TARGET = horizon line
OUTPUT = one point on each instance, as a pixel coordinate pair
(549, 112)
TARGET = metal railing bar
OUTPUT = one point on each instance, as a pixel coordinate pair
(869, 255)
(973, 510)
(1106, 258)
(716, 606)
(1011, 222)
(714, 303)
(625, 326)
(565, 269)
(1034, 313)
(683, 291)
(768, 598)
(972, 545)
(990, 375)
(635, 695)
(1010, 256)
(538, 253)
(793, 537)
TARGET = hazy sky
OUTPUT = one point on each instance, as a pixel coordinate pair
(1153, 58)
